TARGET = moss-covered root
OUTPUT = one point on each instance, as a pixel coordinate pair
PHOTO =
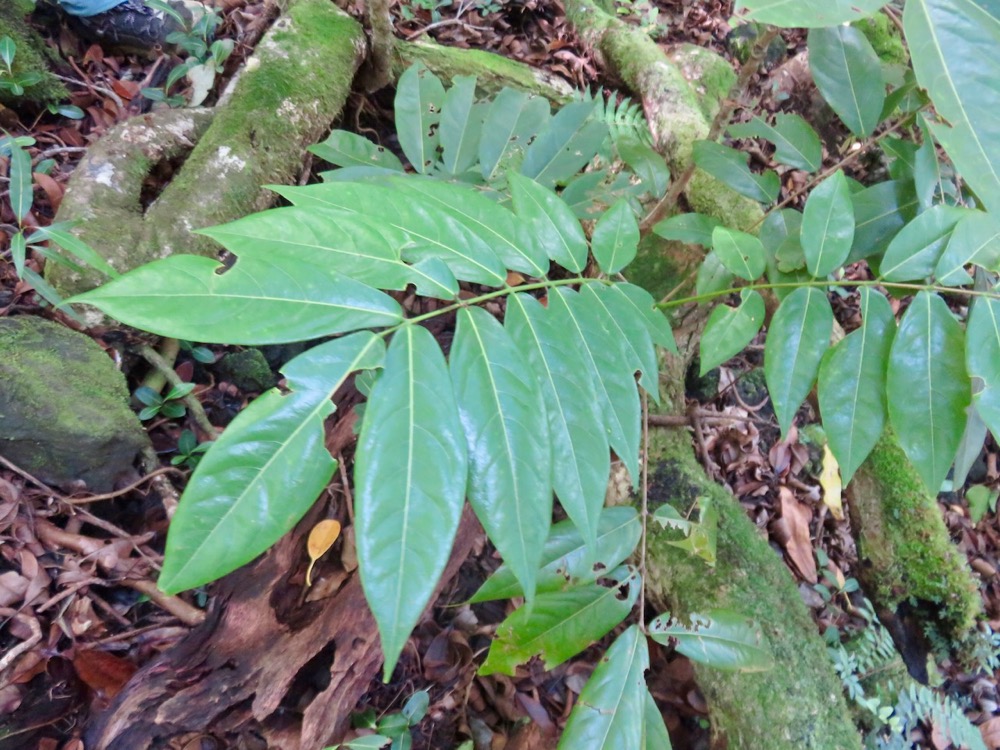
(798, 704)
(30, 57)
(905, 553)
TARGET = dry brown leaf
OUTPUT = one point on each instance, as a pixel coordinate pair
(321, 538)
(798, 544)
(991, 732)
(102, 672)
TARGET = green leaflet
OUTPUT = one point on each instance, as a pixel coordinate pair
(915, 250)
(581, 461)
(928, 387)
(345, 149)
(796, 340)
(712, 275)
(566, 560)
(410, 479)
(795, 142)
(695, 229)
(461, 125)
(504, 418)
(880, 211)
(729, 330)
(20, 190)
(580, 316)
(433, 278)
(976, 239)
(741, 253)
(720, 638)
(571, 139)
(848, 74)
(633, 333)
(730, 166)
(561, 624)
(983, 359)
(828, 225)
(809, 15)
(852, 385)
(654, 729)
(609, 713)
(615, 238)
(256, 301)
(513, 118)
(646, 163)
(419, 98)
(962, 82)
(553, 223)
(250, 487)
(643, 306)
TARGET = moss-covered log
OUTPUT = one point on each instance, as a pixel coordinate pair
(290, 91)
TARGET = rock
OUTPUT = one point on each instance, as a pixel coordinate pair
(64, 414)
(247, 370)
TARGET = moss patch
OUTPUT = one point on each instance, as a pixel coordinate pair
(30, 57)
(903, 544)
(884, 38)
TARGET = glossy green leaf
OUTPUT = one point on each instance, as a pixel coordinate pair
(615, 239)
(975, 239)
(252, 486)
(795, 142)
(19, 188)
(581, 461)
(552, 221)
(927, 177)
(880, 211)
(730, 166)
(957, 67)
(419, 98)
(983, 360)
(969, 449)
(512, 120)
(798, 336)
(713, 276)
(642, 304)
(695, 229)
(915, 251)
(561, 624)
(928, 387)
(848, 74)
(567, 560)
(560, 150)
(581, 317)
(19, 253)
(701, 537)
(729, 330)
(410, 472)
(461, 125)
(635, 333)
(654, 729)
(494, 224)
(346, 149)
(719, 638)
(647, 164)
(254, 302)
(510, 463)
(828, 225)
(810, 15)
(852, 385)
(77, 248)
(741, 253)
(433, 278)
(8, 49)
(981, 498)
(609, 713)
(346, 244)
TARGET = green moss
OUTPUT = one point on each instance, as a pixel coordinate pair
(31, 56)
(247, 370)
(904, 547)
(884, 38)
(711, 76)
(796, 705)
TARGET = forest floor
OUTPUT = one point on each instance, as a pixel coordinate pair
(95, 634)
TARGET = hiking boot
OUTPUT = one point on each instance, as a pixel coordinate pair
(135, 26)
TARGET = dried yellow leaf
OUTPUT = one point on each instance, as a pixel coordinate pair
(829, 480)
(321, 538)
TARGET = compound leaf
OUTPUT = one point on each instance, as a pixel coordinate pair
(510, 463)
(796, 340)
(256, 301)
(410, 476)
(265, 470)
(561, 624)
(928, 387)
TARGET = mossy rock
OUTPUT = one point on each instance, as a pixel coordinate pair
(64, 414)
(247, 370)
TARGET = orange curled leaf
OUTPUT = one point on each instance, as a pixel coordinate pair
(321, 538)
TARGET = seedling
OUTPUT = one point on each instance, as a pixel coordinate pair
(169, 406)
(189, 450)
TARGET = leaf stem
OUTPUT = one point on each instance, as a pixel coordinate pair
(828, 282)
